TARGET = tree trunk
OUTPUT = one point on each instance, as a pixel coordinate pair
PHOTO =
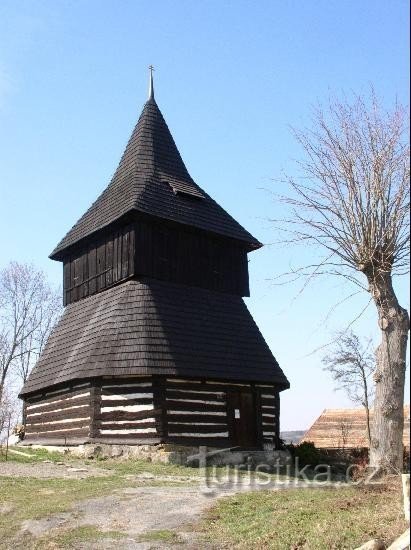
(366, 406)
(386, 451)
(367, 415)
(1, 389)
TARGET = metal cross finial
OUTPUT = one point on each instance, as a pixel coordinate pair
(151, 85)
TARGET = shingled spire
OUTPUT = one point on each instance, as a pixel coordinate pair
(151, 84)
(153, 179)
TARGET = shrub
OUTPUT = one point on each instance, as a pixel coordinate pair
(306, 452)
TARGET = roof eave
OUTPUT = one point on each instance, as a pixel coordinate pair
(60, 252)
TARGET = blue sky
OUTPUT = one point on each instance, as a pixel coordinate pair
(231, 78)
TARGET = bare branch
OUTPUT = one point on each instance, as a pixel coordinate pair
(28, 310)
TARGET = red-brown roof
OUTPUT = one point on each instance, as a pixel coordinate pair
(346, 428)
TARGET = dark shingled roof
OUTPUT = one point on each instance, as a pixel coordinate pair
(153, 179)
(151, 327)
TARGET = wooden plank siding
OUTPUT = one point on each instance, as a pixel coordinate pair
(194, 258)
(100, 264)
(164, 252)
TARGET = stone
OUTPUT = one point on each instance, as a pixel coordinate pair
(13, 439)
(116, 451)
(6, 508)
(145, 475)
(402, 543)
(374, 544)
(406, 495)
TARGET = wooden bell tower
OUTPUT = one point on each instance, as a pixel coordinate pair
(156, 344)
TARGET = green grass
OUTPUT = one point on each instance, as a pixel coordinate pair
(70, 538)
(161, 535)
(135, 467)
(31, 498)
(36, 455)
(23, 498)
(314, 519)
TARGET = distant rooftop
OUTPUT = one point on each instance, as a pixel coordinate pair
(346, 428)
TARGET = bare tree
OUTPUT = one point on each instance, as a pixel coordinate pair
(31, 348)
(353, 203)
(29, 307)
(8, 413)
(345, 432)
(351, 365)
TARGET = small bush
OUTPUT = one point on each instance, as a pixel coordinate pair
(306, 452)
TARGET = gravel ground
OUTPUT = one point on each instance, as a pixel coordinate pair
(47, 470)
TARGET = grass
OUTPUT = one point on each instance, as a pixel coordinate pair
(117, 465)
(161, 535)
(314, 519)
(36, 455)
(70, 538)
(23, 498)
(135, 467)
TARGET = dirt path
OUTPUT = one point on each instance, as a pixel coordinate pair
(133, 512)
(50, 470)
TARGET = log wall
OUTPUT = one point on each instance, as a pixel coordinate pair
(148, 410)
(196, 412)
(270, 415)
(127, 412)
(61, 416)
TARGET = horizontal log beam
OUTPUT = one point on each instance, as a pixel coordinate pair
(127, 426)
(121, 390)
(62, 404)
(131, 437)
(197, 396)
(203, 386)
(66, 393)
(50, 416)
(268, 401)
(194, 442)
(55, 441)
(195, 428)
(125, 415)
(184, 406)
(194, 418)
(126, 402)
(61, 427)
(125, 381)
(61, 434)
